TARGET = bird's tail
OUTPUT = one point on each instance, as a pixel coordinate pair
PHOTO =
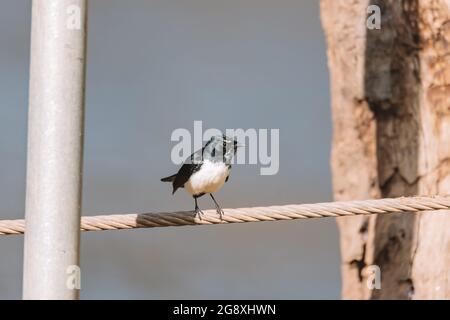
(169, 179)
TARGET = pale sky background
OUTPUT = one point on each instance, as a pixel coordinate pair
(158, 65)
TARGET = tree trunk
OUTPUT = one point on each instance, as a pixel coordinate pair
(391, 113)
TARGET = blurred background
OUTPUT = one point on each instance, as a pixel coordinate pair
(158, 65)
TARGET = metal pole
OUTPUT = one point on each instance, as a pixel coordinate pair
(55, 149)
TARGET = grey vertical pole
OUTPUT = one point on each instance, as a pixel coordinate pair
(55, 148)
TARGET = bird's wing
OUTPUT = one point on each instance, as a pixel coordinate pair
(229, 171)
(184, 174)
(190, 166)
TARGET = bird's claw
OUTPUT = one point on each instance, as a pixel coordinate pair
(220, 212)
(199, 213)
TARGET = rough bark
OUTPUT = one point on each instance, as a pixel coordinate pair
(391, 113)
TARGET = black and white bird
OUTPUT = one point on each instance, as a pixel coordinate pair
(206, 170)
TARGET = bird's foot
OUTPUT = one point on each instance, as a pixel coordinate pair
(220, 212)
(218, 208)
(198, 213)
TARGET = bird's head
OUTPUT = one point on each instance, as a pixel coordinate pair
(221, 148)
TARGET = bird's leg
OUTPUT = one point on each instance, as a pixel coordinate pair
(218, 208)
(198, 212)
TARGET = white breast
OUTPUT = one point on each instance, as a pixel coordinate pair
(209, 179)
